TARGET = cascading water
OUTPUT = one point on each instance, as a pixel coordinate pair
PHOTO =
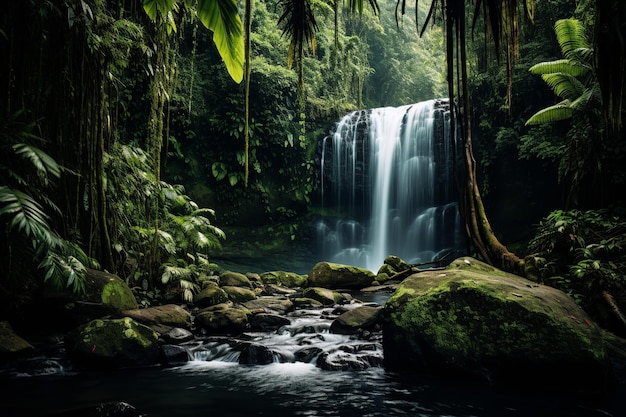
(388, 187)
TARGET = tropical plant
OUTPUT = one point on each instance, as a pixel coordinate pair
(29, 217)
(584, 254)
(181, 238)
(563, 75)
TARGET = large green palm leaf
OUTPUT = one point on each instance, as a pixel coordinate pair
(560, 65)
(560, 111)
(564, 85)
(222, 17)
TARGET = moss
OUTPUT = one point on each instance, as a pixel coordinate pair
(117, 294)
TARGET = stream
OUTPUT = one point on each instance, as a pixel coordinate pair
(214, 382)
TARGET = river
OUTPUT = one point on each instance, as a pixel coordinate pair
(213, 383)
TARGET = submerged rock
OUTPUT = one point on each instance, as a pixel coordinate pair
(475, 320)
(334, 276)
(173, 355)
(255, 354)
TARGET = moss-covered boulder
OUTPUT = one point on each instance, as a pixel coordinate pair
(234, 279)
(334, 276)
(229, 320)
(323, 295)
(239, 294)
(211, 295)
(288, 279)
(105, 294)
(169, 315)
(475, 320)
(353, 320)
(11, 345)
(113, 342)
(270, 304)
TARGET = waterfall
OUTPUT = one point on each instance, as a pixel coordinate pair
(388, 187)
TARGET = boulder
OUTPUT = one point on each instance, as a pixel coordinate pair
(171, 315)
(12, 346)
(255, 354)
(105, 294)
(173, 355)
(287, 279)
(234, 279)
(239, 294)
(396, 264)
(333, 276)
(323, 295)
(268, 322)
(177, 335)
(223, 321)
(353, 320)
(473, 320)
(113, 342)
(303, 302)
(210, 295)
(270, 304)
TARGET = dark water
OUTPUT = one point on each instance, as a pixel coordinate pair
(229, 390)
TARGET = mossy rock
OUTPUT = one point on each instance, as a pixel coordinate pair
(210, 295)
(287, 279)
(234, 279)
(353, 320)
(167, 315)
(12, 346)
(239, 294)
(224, 321)
(113, 342)
(334, 276)
(475, 320)
(323, 295)
(396, 264)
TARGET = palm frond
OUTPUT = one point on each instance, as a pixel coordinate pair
(560, 111)
(564, 85)
(43, 163)
(565, 66)
(570, 33)
(222, 17)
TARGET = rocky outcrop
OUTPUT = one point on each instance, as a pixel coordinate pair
(474, 320)
(113, 342)
(335, 276)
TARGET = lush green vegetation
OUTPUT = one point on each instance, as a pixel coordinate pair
(121, 124)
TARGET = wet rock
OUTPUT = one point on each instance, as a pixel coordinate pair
(234, 279)
(177, 335)
(475, 320)
(307, 354)
(254, 354)
(239, 294)
(209, 296)
(173, 355)
(341, 361)
(323, 295)
(169, 315)
(113, 342)
(350, 322)
(268, 322)
(270, 304)
(12, 346)
(396, 263)
(108, 409)
(220, 321)
(274, 289)
(287, 279)
(303, 302)
(333, 276)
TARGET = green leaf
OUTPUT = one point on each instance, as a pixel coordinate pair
(561, 111)
(564, 85)
(566, 66)
(153, 7)
(222, 17)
